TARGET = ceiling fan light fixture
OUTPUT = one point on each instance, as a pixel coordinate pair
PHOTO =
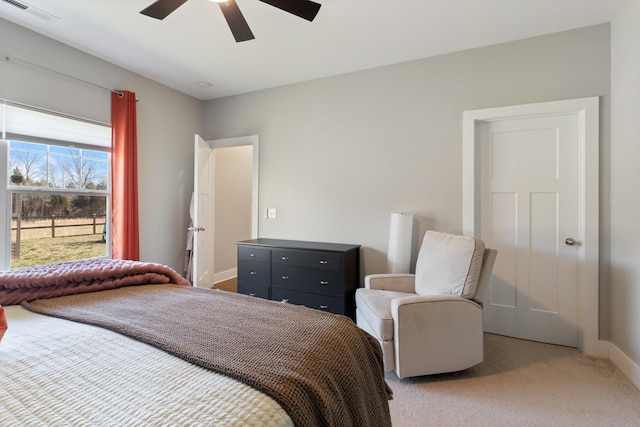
(305, 9)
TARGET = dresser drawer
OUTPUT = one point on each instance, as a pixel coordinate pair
(321, 302)
(328, 261)
(307, 280)
(253, 253)
(252, 289)
(254, 272)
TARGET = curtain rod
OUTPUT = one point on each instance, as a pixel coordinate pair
(14, 59)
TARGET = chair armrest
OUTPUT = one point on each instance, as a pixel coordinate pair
(434, 334)
(391, 282)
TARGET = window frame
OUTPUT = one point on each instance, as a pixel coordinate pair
(7, 189)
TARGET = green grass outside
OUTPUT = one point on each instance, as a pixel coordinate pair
(48, 250)
(38, 247)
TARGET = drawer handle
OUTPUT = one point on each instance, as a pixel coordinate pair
(323, 262)
(285, 277)
(324, 282)
(324, 307)
(285, 258)
(252, 254)
(253, 273)
(285, 300)
(251, 294)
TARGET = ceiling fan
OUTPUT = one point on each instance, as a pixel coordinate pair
(304, 9)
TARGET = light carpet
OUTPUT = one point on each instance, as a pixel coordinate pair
(520, 383)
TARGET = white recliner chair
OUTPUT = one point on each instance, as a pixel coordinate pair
(430, 322)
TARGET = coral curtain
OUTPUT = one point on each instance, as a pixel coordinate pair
(125, 240)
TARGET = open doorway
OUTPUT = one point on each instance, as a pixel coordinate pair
(233, 211)
(233, 170)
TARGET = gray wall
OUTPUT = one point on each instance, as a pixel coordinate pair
(625, 176)
(167, 122)
(338, 155)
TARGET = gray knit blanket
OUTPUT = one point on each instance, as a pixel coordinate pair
(320, 367)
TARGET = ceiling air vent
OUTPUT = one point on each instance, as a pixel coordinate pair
(32, 10)
(16, 4)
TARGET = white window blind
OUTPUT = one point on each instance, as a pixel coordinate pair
(22, 121)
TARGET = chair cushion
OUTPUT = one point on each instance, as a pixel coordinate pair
(374, 311)
(449, 264)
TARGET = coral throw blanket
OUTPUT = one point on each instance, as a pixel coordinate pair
(3, 323)
(321, 368)
(74, 277)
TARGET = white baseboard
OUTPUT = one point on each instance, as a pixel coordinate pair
(627, 366)
(225, 275)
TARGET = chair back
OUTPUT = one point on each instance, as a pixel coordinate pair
(449, 264)
(485, 274)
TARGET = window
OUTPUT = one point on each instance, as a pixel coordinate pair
(57, 188)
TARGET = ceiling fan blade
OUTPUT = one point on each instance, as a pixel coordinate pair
(162, 8)
(237, 24)
(305, 9)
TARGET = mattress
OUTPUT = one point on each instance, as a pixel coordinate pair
(55, 372)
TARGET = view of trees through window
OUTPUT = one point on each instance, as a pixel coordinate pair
(59, 203)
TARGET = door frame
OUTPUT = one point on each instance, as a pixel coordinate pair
(254, 141)
(587, 110)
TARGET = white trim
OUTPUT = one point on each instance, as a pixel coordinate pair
(627, 366)
(587, 110)
(225, 275)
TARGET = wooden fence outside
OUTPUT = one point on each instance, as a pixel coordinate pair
(95, 221)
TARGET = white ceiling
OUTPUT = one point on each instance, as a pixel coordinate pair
(194, 43)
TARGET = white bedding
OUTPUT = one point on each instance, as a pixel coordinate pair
(54, 372)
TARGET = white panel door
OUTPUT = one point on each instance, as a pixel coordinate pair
(203, 240)
(530, 214)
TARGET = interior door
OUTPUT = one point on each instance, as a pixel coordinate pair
(202, 186)
(530, 214)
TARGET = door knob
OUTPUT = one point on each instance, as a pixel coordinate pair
(570, 241)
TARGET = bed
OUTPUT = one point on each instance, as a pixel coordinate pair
(106, 342)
